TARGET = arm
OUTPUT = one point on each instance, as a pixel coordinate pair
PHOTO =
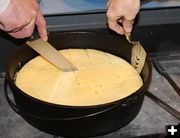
(121, 14)
(19, 18)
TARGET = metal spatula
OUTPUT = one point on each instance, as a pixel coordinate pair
(47, 51)
(138, 55)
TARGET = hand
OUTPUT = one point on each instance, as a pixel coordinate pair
(121, 14)
(20, 18)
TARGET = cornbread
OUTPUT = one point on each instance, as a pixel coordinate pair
(101, 78)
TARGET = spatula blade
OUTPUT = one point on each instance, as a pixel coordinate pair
(138, 57)
(138, 54)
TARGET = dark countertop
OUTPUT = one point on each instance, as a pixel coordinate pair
(150, 120)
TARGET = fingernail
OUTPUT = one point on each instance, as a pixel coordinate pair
(45, 37)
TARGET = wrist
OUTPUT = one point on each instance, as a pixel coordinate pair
(3, 5)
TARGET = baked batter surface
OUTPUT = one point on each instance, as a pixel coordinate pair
(101, 78)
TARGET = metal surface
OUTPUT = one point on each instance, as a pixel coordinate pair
(164, 105)
(51, 54)
(138, 54)
(160, 69)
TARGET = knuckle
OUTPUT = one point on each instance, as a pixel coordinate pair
(109, 13)
(34, 12)
(130, 18)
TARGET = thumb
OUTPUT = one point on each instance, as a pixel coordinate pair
(128, 25)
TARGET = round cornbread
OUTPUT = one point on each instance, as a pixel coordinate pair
(101, 78)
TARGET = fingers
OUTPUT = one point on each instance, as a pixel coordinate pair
(128, 25)
(25, 31)
(121, 14)
(121, 25)
(115, 26)
(15, 27)
(20, 18)
(41, 26)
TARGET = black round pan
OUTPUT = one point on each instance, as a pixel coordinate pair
(76, 121)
